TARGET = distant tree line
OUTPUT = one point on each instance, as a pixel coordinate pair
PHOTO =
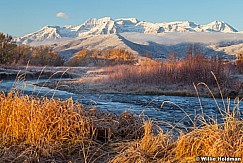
(13, 54)
(100, 58)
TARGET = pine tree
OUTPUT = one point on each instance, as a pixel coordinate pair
(6, 48)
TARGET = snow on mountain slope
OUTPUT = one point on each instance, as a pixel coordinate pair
(107, 25)
(158, 46)
(218, 26)
(229, 48)
(128, 25)
(210, 43)
(225, 45)
(169, 27)
(48, 33)
(91, 42)
(97, 26)
(172, 38)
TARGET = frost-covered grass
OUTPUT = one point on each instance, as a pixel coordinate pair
(176, 76)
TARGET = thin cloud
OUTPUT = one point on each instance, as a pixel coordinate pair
(62, 15)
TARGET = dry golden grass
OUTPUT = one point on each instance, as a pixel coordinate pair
(213, 140)
(40, 129)
(50, 130)
(40, 123)
(150, 148)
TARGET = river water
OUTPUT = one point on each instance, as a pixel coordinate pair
(167, 111)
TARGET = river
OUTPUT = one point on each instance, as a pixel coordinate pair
(167, 111)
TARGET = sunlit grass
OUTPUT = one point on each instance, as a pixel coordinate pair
(44, 123)
(210, 138)
(213, 140)
(63, 128)
(40, 129)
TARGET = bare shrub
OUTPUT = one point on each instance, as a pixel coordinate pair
(191, 69)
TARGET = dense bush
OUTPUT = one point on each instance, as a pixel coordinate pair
(44, 56)
(99, 58)
(7, 49)
(239, 62)
(192, 68)
(13, 54)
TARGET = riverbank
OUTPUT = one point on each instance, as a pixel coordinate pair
(96, 80)
(98, 84)
(35, 72)
(32, 73)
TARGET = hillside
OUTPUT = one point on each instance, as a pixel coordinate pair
(157, 46)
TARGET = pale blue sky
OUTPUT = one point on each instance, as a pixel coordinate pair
(18, 17)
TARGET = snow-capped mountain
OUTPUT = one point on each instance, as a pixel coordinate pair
(49, 33)
(218, 26)
(107, 25)
(139, 37)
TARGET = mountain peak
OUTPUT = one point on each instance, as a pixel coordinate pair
(217, 22)
(219, 26)
(104, 19)
(132, 20)
(51, 26)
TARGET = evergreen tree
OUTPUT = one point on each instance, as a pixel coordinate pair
(6, 48)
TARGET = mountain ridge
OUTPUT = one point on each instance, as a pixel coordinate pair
(107, 25)
(139, 37)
